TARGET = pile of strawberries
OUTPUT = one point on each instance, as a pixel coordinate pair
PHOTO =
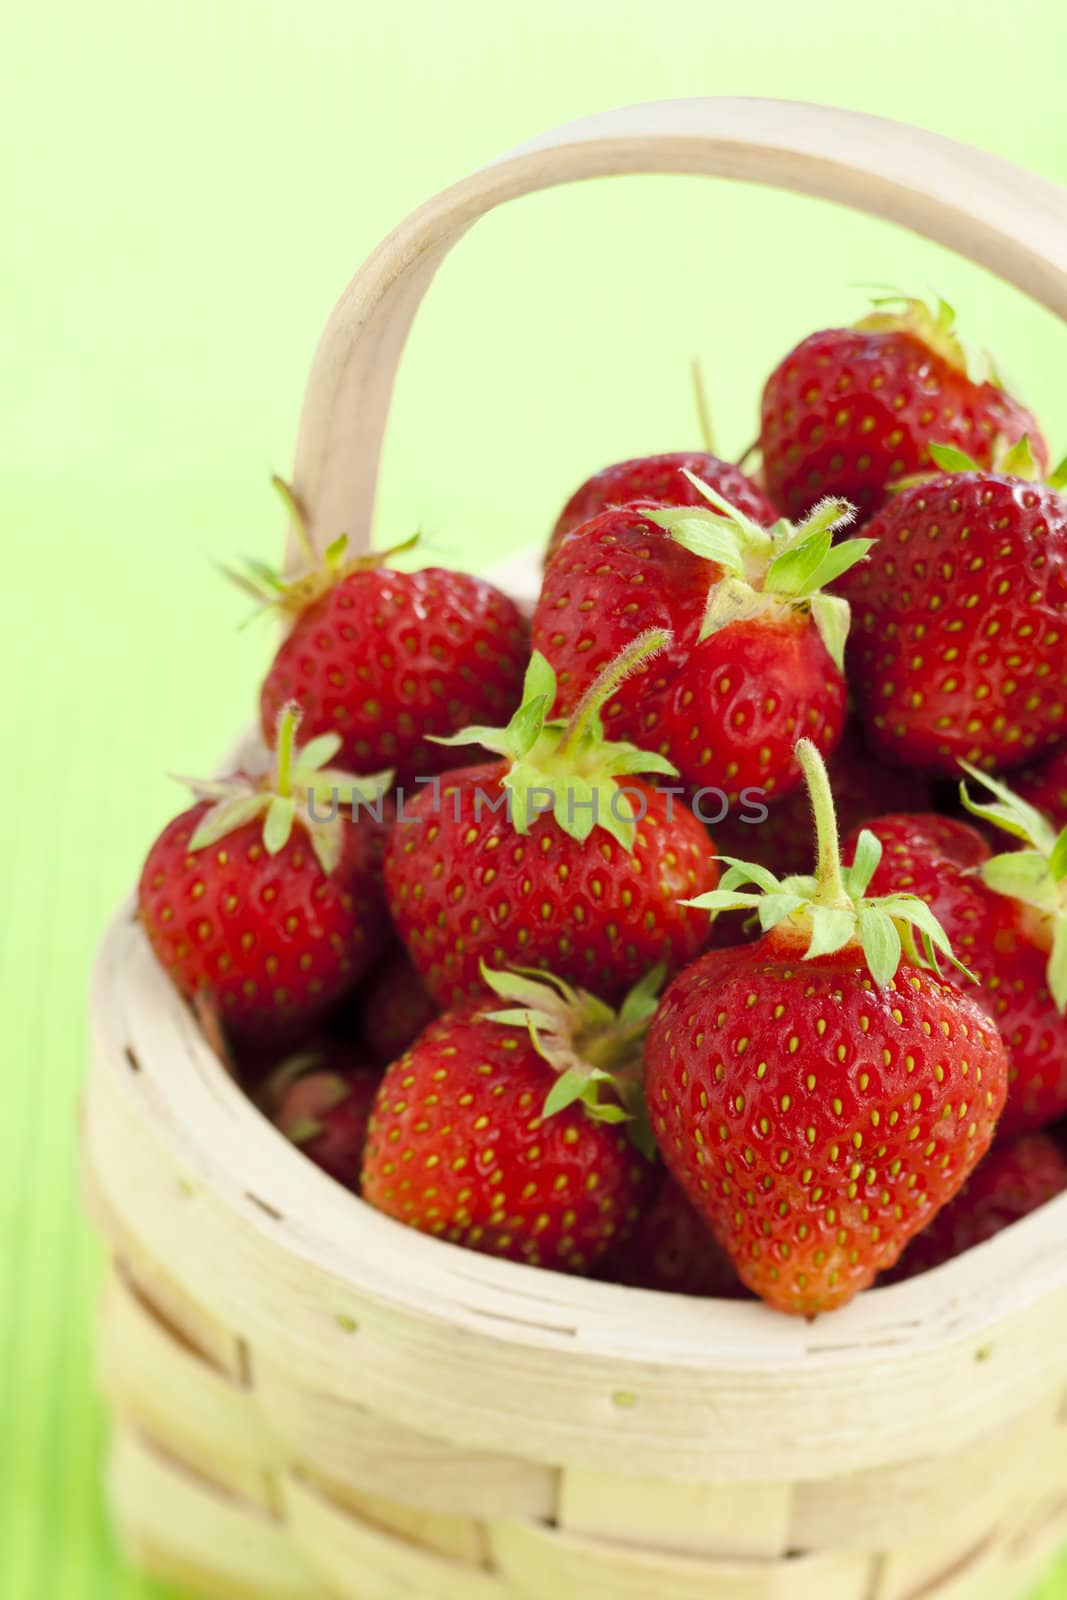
(539, 933)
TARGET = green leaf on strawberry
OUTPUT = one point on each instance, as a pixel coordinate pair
(567, 767)
(1014, 460)
(298, 792)
(272, 589)
(595, 1051)
(829, 909)
(949, 459)
(934, 326)
(785, 565)
(1036, 875)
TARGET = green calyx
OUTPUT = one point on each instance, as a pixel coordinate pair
(830, 909)
(270, 1094)
(764, 569)
(274, 591)
(567, 768)
(597, 1053)
(1013, 460)
(934, 326)
(331, 1091)
(302, 791)
(1035, 875)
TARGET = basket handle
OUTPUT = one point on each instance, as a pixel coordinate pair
(998, 214)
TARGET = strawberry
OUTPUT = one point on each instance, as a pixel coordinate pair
(501, 1130)
(936, 858)
(394, 1008)
(322, 1102)
(1014, 1180)
(1018, 997)
(555, 856)
(821, 1093)
(672, 1250)
(388, 659)
(1045, 786)
(757, 646)
(249, 899)
(664, 480)
(983, 903)
(1029, 982)
(852, 411)
(959, 619)
(863, 787)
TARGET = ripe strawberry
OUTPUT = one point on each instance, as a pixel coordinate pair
(959, 620)
(1029, 884)
(863, 787)
(322, 1102)
(553, 857)
(500, 1130)
(385, 659)
(1013, 1180)
(852, 411)
(757, 646)
(249, 899)
(820, 1094)
(1045, 786)
(935, 858)
(1016, 994)
(672, 1250)
(1002, 938)
(659, 481)
(394, 1008)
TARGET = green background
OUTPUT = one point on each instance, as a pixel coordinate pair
(186, 191)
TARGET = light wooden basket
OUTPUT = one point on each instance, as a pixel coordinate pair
(312, 1401)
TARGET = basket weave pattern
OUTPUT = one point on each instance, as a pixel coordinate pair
(311, 1401)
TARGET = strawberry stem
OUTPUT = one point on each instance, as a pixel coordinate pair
(288, 722)
(831, 887)
(295, 507)
(605, 685)
(608, 1047)
(700, 396)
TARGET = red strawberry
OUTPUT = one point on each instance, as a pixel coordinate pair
(1045, 786)
(659, 481)
(756, 652)
(249, 899)
(394, 1008)
(323, 1104)
(818, 1096)
(388, 659)
(1017, 996)
(672, 1250)
(852, 411)
(863, 787)
(935, 858)
(1013, 1180)
(1003, 939)
(553, 857)
(499, 1130)
(959, 621)
(1029, 885)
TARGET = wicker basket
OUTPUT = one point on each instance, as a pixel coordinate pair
(312, 1401)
